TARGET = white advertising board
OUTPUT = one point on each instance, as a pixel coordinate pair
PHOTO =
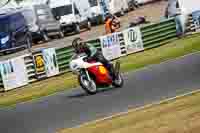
(13, 73)
(51, 65)
(133, 40)
(110, 46)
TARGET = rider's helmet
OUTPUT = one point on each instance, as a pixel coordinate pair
(79, 46)
(75, 44)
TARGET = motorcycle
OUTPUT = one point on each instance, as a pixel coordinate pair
(92, 74)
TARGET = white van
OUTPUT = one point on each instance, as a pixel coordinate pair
(118, 7)
(97, 14)
(98, 9)
(73, 14)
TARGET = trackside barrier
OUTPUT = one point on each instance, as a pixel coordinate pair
(151, 36)
(1, 83)
(63, 58)
(30, 67)
(156, 34)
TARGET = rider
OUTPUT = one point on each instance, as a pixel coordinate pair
(111, 23)
(93, 54)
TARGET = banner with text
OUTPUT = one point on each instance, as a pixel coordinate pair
(133, 40)
(196, 19)
(13, 73)
(110, 46)
(39, 65)
(50, 61)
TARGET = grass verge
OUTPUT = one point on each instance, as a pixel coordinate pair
(129, 63)
(175, 116)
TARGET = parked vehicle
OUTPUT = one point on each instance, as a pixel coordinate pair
(73, 14)
(92, 74)
(14, 33)
(142, 2)
(96, 11)
(118, 7)
(132, 4)
(41, 22)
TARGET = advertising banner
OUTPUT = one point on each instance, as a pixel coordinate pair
(39, 65)
(196, 20)
(110, 46)
(133, 40)
(13, 73)
(50, 61)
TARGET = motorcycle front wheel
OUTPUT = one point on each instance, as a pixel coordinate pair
(88, 86)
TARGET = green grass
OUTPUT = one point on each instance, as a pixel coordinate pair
(129, 63)
(181, 115)
(172, 50)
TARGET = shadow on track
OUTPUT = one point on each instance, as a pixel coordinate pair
(81, 93)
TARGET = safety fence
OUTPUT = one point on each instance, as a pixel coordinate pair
(49, 62)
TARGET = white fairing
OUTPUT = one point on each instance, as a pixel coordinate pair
(79, 63)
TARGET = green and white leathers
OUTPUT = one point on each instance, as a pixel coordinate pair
(92, 49)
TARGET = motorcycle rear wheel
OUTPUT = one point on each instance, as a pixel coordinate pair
(119, 81)
(88, 86)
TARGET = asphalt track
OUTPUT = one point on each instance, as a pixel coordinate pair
(69, 109)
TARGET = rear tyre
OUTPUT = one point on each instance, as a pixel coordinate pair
(88, 86)
(28, 43)
(77, 28)
(122, 13)
(61, 34)
(119, 81)
(46, 38)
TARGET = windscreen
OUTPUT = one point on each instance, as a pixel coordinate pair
(43, 15)
(62, 10)
(29, 17)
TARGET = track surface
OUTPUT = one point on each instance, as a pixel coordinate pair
(69, 109)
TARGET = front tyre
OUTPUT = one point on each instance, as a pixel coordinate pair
(88, 86)
(118, 82)
(61, 34)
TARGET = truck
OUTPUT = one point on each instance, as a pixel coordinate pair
(73, 15)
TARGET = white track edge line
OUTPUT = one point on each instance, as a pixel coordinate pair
(136, 109)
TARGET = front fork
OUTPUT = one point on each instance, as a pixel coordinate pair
(85, 72)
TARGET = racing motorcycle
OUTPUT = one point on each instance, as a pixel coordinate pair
(93, 75)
